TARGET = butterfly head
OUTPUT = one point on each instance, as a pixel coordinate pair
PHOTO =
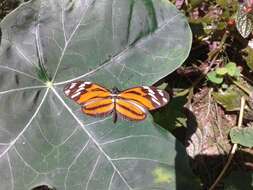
(115, 90)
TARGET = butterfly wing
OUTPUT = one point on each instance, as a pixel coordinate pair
(130, 110)
(149, 97)
(85, 92)
(131, 104)
(99, 108)
(95, 100)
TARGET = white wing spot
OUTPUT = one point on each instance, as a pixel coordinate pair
(161, 93)
(155, 100)
(72, 85)
(149, 89)
(80, 89)
(152, 95)
(67, 92)
(165, 100)
(75, 95)
(84, 84)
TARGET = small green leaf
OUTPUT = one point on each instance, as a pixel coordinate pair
(242, 136)
(243, 22)
(232, 69)
(221, 71)
(213, 77)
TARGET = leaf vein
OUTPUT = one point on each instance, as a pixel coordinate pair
(70, 38)
(20, 72)
(26, 127)
(93, 139)
(92, 172)
(139, 158)
(21, 89)
(74, 160)
(11, 172)
(126, 137)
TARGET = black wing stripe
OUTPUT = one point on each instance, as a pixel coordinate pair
(97, 107)
(132, 111)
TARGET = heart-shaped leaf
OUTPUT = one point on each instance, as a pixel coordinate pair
(242, 136)
(45, 140)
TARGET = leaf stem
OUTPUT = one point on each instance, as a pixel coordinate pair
(213, 54)
(234, 147)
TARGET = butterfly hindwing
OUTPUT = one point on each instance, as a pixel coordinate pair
(150, 97)
(99, 108)
(130, 110)
(83, 92)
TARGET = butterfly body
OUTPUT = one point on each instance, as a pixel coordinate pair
(131, 104)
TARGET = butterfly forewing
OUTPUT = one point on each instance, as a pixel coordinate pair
(149, 97)
(83, 92)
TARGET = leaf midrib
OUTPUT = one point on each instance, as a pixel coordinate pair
(91, 137)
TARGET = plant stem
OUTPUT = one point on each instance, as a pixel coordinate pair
(212, 57)
(232, 152)
(212, 54)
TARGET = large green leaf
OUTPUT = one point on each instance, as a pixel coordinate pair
(44, 137)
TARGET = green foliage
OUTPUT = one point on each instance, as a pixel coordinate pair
(229, 99)
(222, 31)
(217, 76)
(232, 70)
(242, 136)
(214, 77)
(172, 115)
(45, 139)
(248, 56)
(244, 22)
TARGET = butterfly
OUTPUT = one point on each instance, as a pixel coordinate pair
(130, 104)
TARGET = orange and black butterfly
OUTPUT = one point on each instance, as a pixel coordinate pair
(131, 104)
